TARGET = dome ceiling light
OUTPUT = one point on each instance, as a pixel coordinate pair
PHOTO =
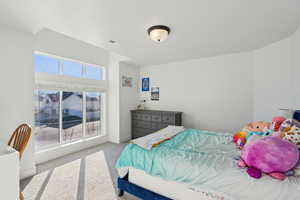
(159, 33)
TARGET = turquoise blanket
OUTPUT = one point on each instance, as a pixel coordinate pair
(205, 160)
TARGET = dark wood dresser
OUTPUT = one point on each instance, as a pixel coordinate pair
(144, 122)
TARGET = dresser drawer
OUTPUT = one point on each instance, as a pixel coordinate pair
(137, 116)
(168, 118)
(156, 118)
(158, 126)
(146, 117)
(141, 124)
(141, 132)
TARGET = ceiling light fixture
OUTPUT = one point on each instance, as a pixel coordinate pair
(159, 33)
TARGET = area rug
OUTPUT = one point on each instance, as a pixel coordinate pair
(87, 178)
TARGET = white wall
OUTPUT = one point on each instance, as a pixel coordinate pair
(213, 93)
(16, 85)
(121, 100)
(295, 40)
(128, 98)
(114, 98)
(272, 79)
(51, 42)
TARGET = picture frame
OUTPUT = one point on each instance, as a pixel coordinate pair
(145, 84)
(155, 94)
(127, 81)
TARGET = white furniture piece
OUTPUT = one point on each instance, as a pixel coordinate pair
(9, 172)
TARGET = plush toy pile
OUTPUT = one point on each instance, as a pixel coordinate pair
(270, 148)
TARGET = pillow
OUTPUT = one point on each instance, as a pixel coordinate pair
(291, 134)
(287, 125)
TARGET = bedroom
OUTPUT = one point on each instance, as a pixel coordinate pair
(74, 72)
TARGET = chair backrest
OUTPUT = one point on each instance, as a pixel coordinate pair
(20, 138)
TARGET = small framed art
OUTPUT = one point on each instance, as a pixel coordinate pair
(155, 94)
(145, 84)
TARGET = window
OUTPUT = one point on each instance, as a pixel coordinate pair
(51, 106)
(72, 117)
(66, 67)
(67, 111)
(72, 69)
(47, 117)
(94, 73)
(93, 113)
(46, 64)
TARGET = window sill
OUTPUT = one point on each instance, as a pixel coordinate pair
(57, 151)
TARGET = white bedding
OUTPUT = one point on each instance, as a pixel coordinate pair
(170, 189)
(147, 142)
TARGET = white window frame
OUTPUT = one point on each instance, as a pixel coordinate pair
(63, 83)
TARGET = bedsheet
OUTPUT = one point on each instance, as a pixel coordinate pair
(205, 160)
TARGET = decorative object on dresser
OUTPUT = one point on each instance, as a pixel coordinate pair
(144, 122)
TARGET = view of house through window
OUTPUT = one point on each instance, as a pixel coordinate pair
(72, 116)
(65, 116)
(47, 107)
(51, 106)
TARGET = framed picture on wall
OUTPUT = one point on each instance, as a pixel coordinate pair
(126, 81)
(155, 94)
(145, 84)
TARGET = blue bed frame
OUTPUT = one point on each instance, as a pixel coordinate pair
(125, 186)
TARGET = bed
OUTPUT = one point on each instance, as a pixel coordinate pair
(196, 164)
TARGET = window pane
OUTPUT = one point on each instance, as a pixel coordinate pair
(72, 116)
(93, 113)
(46, 118)
(46, 64)
(72, 69)
(95, 73)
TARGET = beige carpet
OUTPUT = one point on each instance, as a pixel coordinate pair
(87, 178)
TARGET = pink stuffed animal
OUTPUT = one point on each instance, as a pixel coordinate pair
(270, 155)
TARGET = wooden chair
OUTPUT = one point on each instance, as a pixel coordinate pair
(19, 141)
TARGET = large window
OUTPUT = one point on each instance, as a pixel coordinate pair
(62, 117)
(67, 112)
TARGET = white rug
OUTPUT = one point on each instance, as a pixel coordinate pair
(83, 179)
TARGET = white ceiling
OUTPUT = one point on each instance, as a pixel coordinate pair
(199, 28)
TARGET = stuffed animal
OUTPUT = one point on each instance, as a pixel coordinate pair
(257, 129)
(259, 126)
(276, 122)
(256, 135)
(270, 155)
(287, 125)
(292, 135)
(240, 139)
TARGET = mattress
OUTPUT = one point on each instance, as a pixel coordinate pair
(170, 189)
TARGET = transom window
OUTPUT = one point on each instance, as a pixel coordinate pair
(52, 65)
(67, 111)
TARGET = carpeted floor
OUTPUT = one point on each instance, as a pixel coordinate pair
(84, 175)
